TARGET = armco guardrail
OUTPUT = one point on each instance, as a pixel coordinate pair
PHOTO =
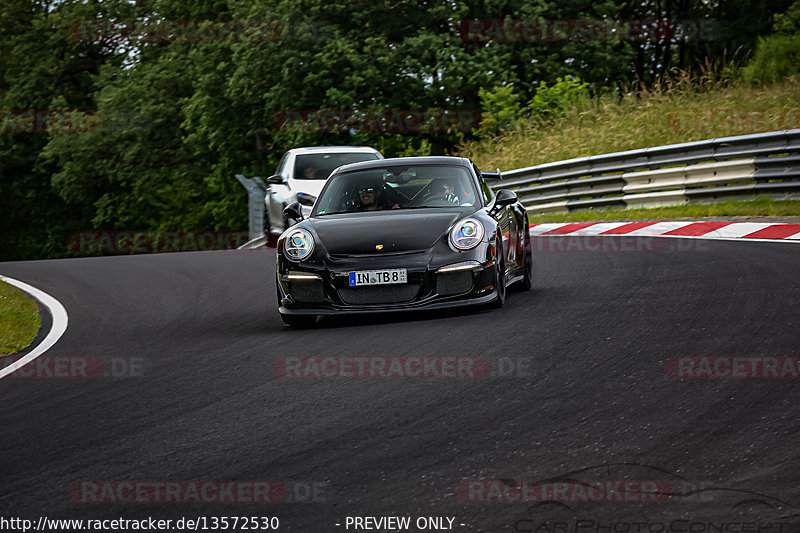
(697, 172)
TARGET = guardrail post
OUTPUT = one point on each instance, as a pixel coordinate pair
(256, 193)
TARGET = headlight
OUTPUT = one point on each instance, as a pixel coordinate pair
(298, 244)
(466, 234)
(306, 199)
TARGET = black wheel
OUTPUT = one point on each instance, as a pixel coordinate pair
(527, 266)
(527, 280)
(500, 279)
(299, 321)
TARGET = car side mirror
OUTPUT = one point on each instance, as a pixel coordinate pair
(503, 198)
(277, 179)
(293, 211)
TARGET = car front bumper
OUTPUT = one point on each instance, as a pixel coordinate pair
(323, 288)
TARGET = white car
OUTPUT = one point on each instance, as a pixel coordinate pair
(300, 176)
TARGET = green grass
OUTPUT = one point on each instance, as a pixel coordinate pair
(787, 209)
(19, 320)
(681, 110)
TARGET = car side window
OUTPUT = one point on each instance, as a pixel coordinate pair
(488, 194)
(281, 165)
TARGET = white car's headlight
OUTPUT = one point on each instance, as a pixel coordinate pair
(466, 234)
(298, 244)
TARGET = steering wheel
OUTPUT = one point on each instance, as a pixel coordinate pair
(447, 199)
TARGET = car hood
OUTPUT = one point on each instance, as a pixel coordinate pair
(312, 187)
(397, 231)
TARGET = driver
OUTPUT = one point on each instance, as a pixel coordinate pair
(370, 196)
(448, 192)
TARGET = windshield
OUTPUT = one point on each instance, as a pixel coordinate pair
(320, 166)
(396, 187)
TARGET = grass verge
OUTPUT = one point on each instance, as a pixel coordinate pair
(682, 111)
(788, 210)
(19, 320)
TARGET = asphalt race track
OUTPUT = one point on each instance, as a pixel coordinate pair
(579, 390)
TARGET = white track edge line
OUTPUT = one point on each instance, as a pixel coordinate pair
(250, 243)
(57, 329)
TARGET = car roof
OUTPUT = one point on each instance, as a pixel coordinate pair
(399, 161)
(332, 149)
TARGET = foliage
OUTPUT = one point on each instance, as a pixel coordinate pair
(777, 56)
(788, 23)
(172, 120)
(42, 69)
(501, 110)
(554, 101)
(681, 110)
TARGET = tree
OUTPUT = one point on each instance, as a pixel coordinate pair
(44, 70)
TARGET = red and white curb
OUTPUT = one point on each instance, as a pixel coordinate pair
(752, 231)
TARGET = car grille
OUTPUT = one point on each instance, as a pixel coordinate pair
(380, 294)
(453, 283)
(307, 291)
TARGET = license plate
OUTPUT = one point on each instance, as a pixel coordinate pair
(378, 277)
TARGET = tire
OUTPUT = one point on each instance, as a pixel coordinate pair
(500, 281)
(526, 282)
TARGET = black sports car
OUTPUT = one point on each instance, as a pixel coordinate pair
(402, 234)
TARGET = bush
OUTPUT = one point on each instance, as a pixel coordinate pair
(552, 102)
(502, 110)
(777, 57)
(789, 22)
